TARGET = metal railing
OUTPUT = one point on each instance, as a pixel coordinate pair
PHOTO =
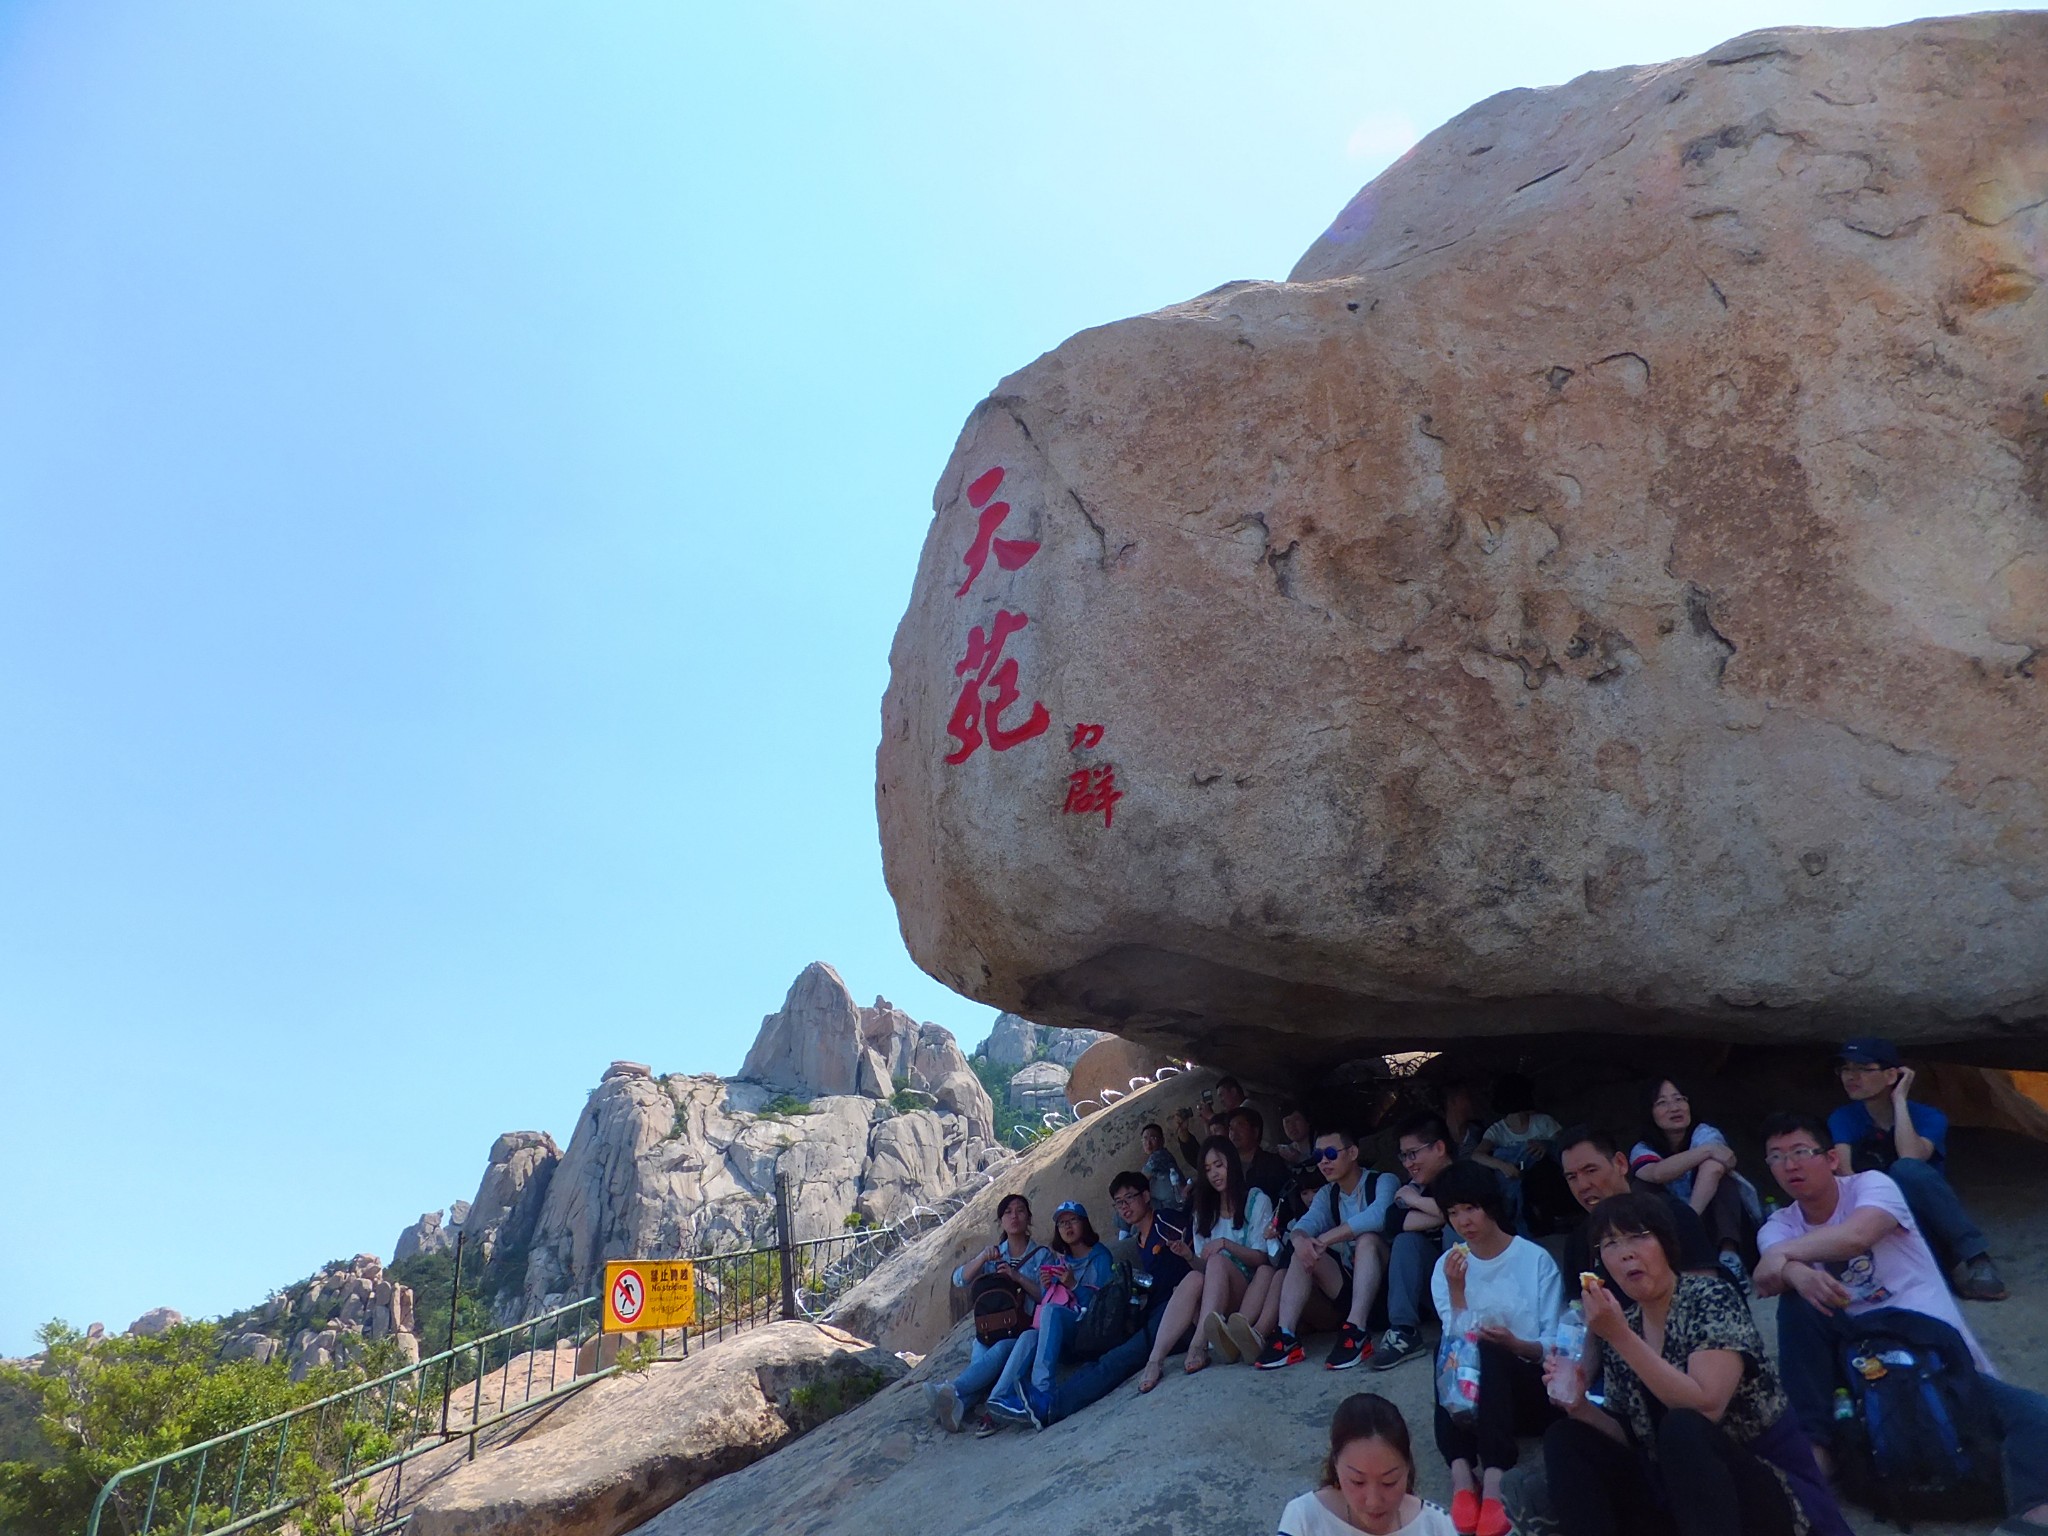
(358, 1442)
(1054, 1120)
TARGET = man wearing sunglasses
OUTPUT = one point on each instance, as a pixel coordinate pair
(1337, 1259)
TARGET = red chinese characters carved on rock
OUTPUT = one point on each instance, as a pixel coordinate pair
(1085, 737)
(1091, 790)
(1011, 554)
(978, 716)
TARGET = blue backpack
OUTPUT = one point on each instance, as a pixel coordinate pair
(1920, 1438)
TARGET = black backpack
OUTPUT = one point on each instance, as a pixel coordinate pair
(1112, 1317)
(1000, 1307)
(1921, 1439)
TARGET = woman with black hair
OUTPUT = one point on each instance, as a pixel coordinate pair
(1368, 1479)
(1513, 1294)
(1015, 1257)
(1696, 1436)
(1078, 1266)
(1694, 1161)
(1231, 1233)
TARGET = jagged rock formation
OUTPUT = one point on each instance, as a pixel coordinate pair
(687, 1164)
(1629, 521)
(428, 1235)
(820, 1043)
(155, 1321)
(514, 1187)
(1014, 1040)
(322, 1320)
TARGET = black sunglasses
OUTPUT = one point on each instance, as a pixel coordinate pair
(1328, 1154)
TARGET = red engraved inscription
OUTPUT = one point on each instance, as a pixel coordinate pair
(1092, 790)
(1011, 554)
(1085, 737)
(978, 715)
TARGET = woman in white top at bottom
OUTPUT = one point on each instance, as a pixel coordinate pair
(1368, 1482)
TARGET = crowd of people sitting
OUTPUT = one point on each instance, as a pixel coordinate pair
(1592, 1289)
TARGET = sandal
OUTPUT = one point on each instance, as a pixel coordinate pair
(1152, 1377)
(1197, 1360)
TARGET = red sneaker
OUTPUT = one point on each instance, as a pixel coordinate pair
(1493, 1519)
(1465, 1511)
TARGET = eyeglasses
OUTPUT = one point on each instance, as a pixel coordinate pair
(1857, 1069)
(1128, 1197)
(1671, 1101)
(1621, 1242)
(1328, 1154)
(1788, 1157)
(1413, 1154)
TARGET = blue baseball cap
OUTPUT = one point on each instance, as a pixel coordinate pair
(1868, 1051)
(1070, 1208)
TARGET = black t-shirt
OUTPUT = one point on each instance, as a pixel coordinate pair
(1267, 1171)
(1694, 1245)
(1166, 1267)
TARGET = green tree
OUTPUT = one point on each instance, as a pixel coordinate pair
(120, 1401)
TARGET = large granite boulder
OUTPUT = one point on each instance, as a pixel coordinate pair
(1042, 1085)
(1604, 588)
(623, 1449)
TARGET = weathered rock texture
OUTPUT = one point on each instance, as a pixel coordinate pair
(1015, 1040)
(678, 1165)
(626, 1448)
(429, 1234)
(1605, 588)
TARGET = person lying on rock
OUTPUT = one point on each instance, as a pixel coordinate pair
(1159, 1234)
(1696, 1437)
(1368, 1480)
(1416, 1238)
(1078, 1267)
(1507, 1290)
(1161, 1168)
(1016, 1257)
(1694, 1161)
(1849, 1244)
(1596, 1169)
(1881, 1128)
(1333, 1260)
(1246, 1128)
(1230, 1234)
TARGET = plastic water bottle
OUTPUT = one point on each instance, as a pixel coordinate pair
(1568, 1342)
(1844, 1409)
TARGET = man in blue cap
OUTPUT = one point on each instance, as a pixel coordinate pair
(1881, 1128)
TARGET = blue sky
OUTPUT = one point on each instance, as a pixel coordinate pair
(460, 470)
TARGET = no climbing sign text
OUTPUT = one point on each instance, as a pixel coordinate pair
(645, 1294)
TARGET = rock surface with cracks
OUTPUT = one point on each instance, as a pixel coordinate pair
(1605, 587)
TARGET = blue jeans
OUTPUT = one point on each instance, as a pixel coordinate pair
(1054, 1324)
(1411, 1260)
(1938, 1212)
(1023, 1349)
(1808, 1344)
(1085, 1384)
(984, 1365)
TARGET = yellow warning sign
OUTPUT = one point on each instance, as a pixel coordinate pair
(644, 1294)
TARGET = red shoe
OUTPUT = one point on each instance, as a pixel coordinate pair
(1465, 1511)
(1493, 1519)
